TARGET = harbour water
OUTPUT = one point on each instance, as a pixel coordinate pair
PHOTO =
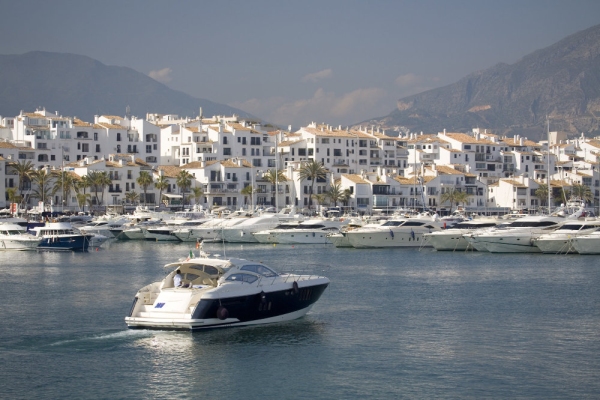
(394, 323)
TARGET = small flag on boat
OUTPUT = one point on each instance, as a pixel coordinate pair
(197, 245)
(191, 255)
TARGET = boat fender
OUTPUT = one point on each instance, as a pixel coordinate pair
(222, 313)
(295, 287)
(263, 297)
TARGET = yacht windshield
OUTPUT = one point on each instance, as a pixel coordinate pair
(259, 269)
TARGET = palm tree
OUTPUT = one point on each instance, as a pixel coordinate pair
(542, 193)
(184, 181)
(462, 197)
(82, 183)
(197, 194)
(582, 192)
(346, 196)
(104, 181)
(64, 183)
(161, 183)
(320, 198)
(132, 197)
(145, 180)
(82, 199)
(335, 193)
(24, 169)
(247, 191)
(274, 176)
(453, 196)
(43, 180)
(312, 170)
(12, 196)
(93, 178)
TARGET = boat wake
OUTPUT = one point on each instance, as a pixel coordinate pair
(125, 335)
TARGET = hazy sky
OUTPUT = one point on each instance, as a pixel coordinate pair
(293, 62)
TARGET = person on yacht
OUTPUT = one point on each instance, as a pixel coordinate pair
(177, 279)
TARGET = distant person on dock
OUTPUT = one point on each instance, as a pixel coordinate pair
(177, 279)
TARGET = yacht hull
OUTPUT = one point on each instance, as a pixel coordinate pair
(250, 309)
(589, 244)
(387, 239)
(555, 246)
(28, 243)
(518, 244)
(67, 243)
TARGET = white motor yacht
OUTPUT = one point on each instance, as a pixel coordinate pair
(517, 237)
(340, 239)
(209, 231)
(242, 232)
(396, 232)
(312, 231)
(587, 244)
(105, 227)
(134, 231)
(268, 235)
(217, 293)
(61, 236)
(561, 240)
(451, 239)
(15, 237)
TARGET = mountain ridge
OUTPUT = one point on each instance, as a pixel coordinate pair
(82, 86)
(560, 82)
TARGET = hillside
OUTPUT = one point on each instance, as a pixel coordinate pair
(561, 81)
(80, 86)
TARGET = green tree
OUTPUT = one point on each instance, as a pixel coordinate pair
(335, 193)
(43, 181)
(99, 180)
(321, 198)
(184, 181)
(64, 183)
(247, 191)
(454, 196)
(132, 197)
(312, 170)
(82, 199)
(197, 194)
(274, 176)
(11, 195)
(162, 184)
(24, 169)
(81, 184)
(542, 193)
(346, 196)
(144, 180)
(582, 192)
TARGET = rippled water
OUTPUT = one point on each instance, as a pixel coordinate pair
(394, 323)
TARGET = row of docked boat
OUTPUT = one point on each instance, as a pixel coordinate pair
(556, 233)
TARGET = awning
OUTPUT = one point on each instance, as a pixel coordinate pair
(172, 196)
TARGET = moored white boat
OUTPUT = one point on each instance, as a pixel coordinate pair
(451, 239)
(587, 244)
(61, 236)
(560, 241)
(517, 237)
(15, 237)
(218, 292)
(312, 231)
(396, 232)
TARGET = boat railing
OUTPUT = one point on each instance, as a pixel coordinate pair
(307, 270)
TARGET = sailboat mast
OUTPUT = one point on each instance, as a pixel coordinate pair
(548, 155)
